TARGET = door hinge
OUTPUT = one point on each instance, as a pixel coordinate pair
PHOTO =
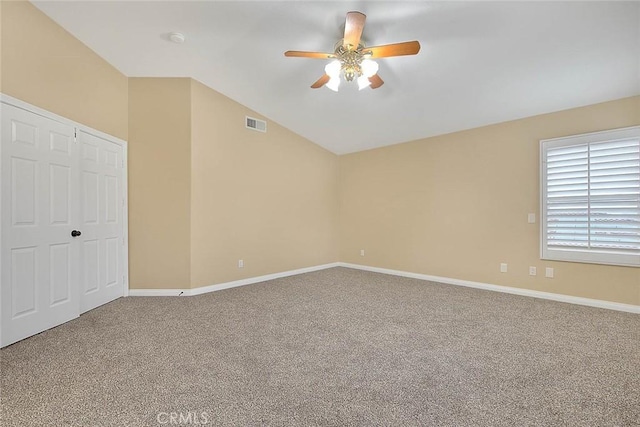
(75, 135)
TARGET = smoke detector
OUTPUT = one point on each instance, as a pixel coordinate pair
(177, 38)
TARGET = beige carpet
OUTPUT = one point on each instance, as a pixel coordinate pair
(332, 348)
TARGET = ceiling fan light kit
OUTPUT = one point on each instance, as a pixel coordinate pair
(352, 59)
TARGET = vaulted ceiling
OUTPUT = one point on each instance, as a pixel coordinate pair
(480, 63)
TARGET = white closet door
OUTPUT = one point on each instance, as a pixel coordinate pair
(101, 221)
(39, 209)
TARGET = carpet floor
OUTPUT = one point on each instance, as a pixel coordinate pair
(337, 347)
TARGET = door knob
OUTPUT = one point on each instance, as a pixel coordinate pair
(75, 233)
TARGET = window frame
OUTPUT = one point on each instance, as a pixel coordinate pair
(590, 256)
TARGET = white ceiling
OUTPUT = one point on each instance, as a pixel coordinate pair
(480, 63)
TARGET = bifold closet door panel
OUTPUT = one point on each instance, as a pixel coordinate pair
(102, 274)
(38, 255)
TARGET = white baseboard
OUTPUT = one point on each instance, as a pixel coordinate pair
(505, 289)
(629, 308)
(158, 292)
(227, 285)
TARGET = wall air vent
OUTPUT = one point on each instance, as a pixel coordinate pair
(255, 124)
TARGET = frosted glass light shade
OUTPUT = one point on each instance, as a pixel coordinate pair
(369, 67)
(333, 83)
(363, 82)
(333, 69)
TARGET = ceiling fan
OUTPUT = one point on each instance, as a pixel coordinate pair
(353, 59)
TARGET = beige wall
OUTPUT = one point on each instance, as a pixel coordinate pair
(267, 198)
(456, 205)
(159, 182)
(205, 192)
(44, 65)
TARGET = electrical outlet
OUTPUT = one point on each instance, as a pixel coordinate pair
(531, 218)
(503, 267)
(548, 272)
(240, 263)
(361, 252)
(533, 271)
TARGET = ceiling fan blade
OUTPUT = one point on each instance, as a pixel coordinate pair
(395, 49)
(320, 82)
(376, 81)
(301, 54)
(353, 29)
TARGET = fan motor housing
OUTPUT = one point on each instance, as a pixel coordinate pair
(350, 59)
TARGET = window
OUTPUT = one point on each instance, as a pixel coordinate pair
(590, 201)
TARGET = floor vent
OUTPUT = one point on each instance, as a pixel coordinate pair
(255, 124)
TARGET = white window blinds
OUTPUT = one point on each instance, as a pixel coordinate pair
(591, 197)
